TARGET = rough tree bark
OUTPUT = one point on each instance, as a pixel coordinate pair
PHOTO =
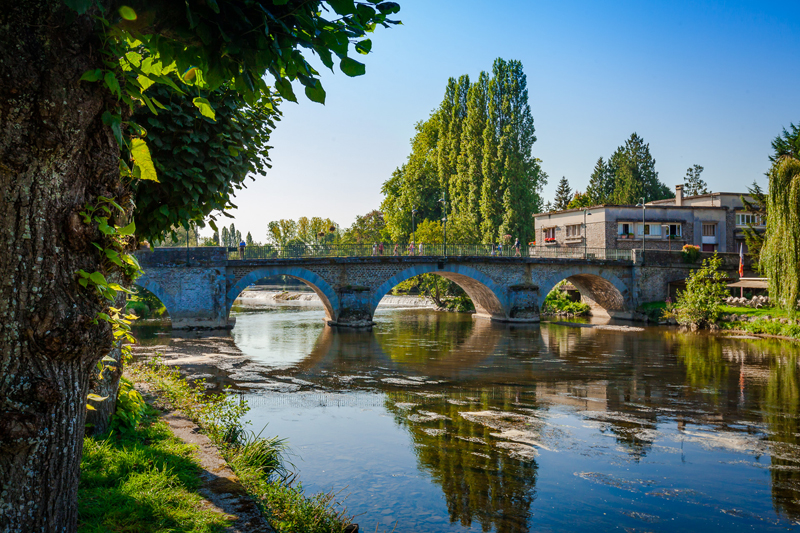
(55, 156)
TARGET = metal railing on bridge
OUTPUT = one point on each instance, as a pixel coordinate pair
(296, 251)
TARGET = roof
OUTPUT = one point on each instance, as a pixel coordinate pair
(707, 195)
(617, 206)
(751, 283)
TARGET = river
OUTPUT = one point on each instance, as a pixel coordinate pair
(437, 421)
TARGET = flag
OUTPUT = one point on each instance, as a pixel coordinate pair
(741, 260)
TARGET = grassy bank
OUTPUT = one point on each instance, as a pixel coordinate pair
(258, 462)
(144, 480)
(761, 321)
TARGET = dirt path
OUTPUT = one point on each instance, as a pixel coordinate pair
(221, 487)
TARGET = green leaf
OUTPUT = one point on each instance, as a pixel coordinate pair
(79, 6)
(205, 108)
(108, 359)
(364, 47)
(130, 229)
(284, 87)
(343, 7)
(127, 13)
(112, 83)
(141, 158)
(316, 93)
(98, 279)
(92, 75)
(351, 67)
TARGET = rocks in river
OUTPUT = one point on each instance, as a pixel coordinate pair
(427, 416)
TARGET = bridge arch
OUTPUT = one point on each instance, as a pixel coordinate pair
(325, 292)
(490, 299)
(159, 292)
(601, 289)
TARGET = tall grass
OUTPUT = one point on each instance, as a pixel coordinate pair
(260, 462)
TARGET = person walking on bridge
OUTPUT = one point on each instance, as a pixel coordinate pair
(516, 247)
(242, 244)
(411, 248)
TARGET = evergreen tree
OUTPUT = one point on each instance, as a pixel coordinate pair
(634, 173)
(601, 184)
(563, 194)
(249, 240)
(225, 238)
(786, 144)
(757, 205)
(693, 184)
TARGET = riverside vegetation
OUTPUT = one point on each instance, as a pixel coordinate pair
(142, 478)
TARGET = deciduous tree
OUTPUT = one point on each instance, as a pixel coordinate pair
(66, 96)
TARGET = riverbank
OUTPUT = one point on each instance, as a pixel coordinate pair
(191, 465)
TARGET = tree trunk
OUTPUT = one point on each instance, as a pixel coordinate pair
(55, 157)
(105, 382)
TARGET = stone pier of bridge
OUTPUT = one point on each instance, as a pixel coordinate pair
(199, 285)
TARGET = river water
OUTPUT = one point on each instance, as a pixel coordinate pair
(439, 422)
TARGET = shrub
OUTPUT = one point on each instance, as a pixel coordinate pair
(699, 305)
(130, 407)
(558, 302)
(690, 253)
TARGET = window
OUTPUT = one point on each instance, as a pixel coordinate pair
(624, 228)
(574, 230)
(745, 219)
(651, 230)
(549, 234)
(709, 230)
(674, 230)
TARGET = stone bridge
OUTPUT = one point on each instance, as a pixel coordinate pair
(199, 285)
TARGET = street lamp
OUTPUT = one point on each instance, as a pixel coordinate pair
(444, 220)
(644, 207)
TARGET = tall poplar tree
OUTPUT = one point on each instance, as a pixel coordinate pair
(470, 161)
(476, 146)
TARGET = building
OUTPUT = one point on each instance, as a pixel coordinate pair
(714, 222)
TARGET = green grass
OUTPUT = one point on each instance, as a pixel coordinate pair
(774, 312)
(143, 481)
(256, 460)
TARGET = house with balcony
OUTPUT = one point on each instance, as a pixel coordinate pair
(714, 222)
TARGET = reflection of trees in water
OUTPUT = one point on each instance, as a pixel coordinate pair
(781, 408)
(705, 366)
(480, 483)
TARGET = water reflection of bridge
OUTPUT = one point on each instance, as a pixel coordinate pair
(727, 387)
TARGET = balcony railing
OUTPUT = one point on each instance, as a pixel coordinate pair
(296, 251)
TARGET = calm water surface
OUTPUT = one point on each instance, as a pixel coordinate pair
(438, 422)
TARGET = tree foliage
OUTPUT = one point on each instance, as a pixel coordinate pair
(756, 204)
(693, 184)
(699, 305)
(601, 184)
(780, 255)
(475, 149)
(370, 228)
(634, 172)
(200, 161)
(563, 194)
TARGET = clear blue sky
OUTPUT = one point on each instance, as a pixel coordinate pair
(710, 83)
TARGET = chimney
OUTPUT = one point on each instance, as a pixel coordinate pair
(679, 195)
